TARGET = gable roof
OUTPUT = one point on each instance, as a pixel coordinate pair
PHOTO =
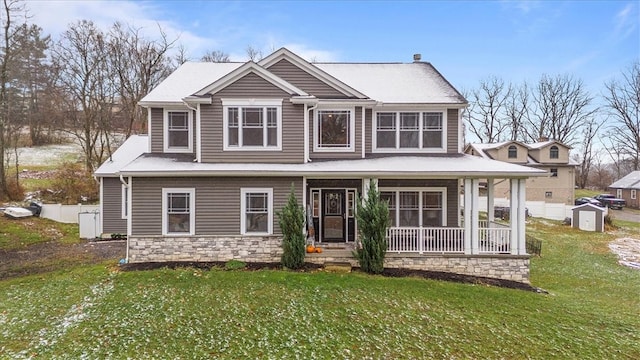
(387, 83)
(631, 181)
(481, 148)
(542, 144)
(247, 68)
(284, 53)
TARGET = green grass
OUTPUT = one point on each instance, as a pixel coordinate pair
(587, 193)
(99, 313)
(21, 233)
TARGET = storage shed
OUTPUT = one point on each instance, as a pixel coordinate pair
(588, 217)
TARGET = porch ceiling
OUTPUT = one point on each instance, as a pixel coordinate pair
(459, 166)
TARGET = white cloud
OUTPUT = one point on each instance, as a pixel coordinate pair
(626, 20)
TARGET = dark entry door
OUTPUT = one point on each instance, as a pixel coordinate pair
(333, 215)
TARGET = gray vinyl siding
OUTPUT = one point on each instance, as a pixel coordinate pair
(367, 131)
(112, 221)
(450, 184)
(156, 137)
(157, 130)
(355, 154)
(217, 202)
(252, 86)
(305, 81)
(292, 137)
(452, 131)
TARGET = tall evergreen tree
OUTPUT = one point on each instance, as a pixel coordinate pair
(291, 220)
(373, 221)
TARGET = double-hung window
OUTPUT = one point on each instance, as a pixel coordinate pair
(334, 130)
(178, 211)
(178, 131)
(252, 124)
(416, 207)
(256, 211)
(409, 131)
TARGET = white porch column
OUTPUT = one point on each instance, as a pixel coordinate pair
(522, 217)
(514, 220)
(475, 216)
(490, 202)
(471, 216)
(467, 216)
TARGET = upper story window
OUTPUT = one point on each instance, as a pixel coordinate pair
(513, 152)
(178, 131)
(554, 153)
(409, 131)
(334, 130)
(252, 124)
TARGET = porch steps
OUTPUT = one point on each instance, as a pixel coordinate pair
(337, 267)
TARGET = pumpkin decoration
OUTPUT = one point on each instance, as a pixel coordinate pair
(319, 250)
(311, 248)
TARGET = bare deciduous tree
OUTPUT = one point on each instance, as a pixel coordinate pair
(87, 80)
(253, 54)
(561, 105)
(517, 111)
(623, 103)
(215, 56)
(586, 156)
(140, 65)
(487, 119)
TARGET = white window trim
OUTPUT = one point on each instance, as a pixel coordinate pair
(619, 193)
(165, 139)
(123, 201)
(442, 190)
(352, 131)
(243, 209)
(192, 209)
(240, 103)
(420, 149)
(633, 194)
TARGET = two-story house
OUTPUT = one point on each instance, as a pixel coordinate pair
(228, 141)
(549, 155)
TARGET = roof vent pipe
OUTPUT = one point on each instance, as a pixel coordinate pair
(417, 57)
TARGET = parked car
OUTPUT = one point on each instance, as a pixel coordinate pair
(588, 200)
(611, 201)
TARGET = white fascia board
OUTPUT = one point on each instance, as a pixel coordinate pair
(284, 53)
(160, 104)
(245, 69)
(309, 100)
(421, 105)
(346, 102)
(197, 100)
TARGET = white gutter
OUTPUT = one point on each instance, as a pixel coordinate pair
(307, 157)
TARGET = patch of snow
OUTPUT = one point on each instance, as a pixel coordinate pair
(48, 154)
(628, 251)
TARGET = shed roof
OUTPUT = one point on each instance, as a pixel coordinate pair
(132, 148)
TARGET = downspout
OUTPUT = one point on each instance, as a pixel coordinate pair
(126, 185)
(362, 137)
(196, 130)
(306, 132)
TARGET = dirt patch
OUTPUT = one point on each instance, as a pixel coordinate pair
(53, 255)
(309, 267)
(628, 251)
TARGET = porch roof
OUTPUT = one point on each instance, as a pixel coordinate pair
(458, 166)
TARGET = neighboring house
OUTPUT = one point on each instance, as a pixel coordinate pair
(228, 141)
(627, 188)
(548, 155)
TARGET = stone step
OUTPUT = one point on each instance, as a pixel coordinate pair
(337, 267)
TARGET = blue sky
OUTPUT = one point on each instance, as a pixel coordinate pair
(466, 40)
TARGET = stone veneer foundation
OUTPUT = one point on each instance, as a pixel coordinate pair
(268, 249)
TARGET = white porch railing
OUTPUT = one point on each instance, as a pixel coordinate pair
(421, 240)
(494, 240)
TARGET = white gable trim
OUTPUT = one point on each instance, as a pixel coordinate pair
(247, 68)
(284, 53)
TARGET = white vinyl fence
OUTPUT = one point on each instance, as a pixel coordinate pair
(540, 209)
(66, 213)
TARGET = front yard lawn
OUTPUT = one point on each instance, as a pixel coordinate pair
(100, 312)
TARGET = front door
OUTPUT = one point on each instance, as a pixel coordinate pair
(333, 215)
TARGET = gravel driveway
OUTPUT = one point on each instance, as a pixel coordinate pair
(625, 214)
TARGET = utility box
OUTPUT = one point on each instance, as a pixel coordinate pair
(89, 223)
(588, 217)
